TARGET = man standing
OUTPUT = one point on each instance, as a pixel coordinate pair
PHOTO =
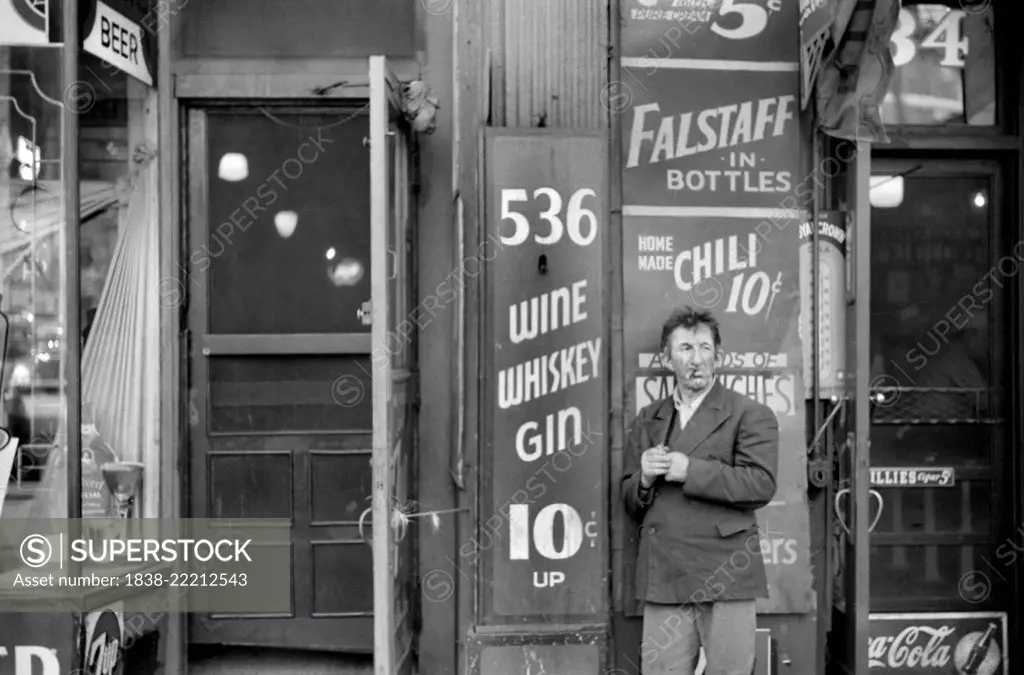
(698, 464)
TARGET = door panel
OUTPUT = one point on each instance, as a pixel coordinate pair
(279, 359)
(394, 383)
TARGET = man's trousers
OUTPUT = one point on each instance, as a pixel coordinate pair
(674, 635)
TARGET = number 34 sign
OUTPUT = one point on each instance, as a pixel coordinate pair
(741, 30)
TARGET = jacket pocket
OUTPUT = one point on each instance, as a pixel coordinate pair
(731, 525)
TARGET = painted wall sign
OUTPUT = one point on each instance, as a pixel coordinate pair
(37, 643)
(741, 30)
(546, 411)
(746, 275)
(831, 319)
(905, 476)
(103, 642)
(966, 643)
(120, 41)
(29, 660)
(733, 146)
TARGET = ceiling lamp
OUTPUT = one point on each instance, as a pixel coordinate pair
(233, 167)
(886, 192)
(286, 222)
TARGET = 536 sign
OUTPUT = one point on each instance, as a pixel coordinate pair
(580, 223)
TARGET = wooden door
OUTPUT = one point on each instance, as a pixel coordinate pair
(394, 384)
(853, 508)
(277, 275)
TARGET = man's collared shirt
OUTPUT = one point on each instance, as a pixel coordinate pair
(685, 413)
(686, 410)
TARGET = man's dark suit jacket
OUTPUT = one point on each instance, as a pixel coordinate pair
(699, 540)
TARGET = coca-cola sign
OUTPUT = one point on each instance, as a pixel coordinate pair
(967, 643)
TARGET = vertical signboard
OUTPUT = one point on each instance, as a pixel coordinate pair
(543, 517)
(712, 171)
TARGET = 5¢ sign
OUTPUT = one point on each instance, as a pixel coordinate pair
(757, 30)
(749, 19)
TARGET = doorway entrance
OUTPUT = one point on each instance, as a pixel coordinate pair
(929, 444)
(941, 271)
(280, 406)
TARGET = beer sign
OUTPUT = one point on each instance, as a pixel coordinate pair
(966, 643)
(733, 145)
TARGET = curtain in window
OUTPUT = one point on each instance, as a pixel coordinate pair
(120, 362)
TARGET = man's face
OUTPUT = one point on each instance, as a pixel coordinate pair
(694, 357)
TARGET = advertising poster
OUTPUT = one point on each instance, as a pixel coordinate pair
(546, 378)
(744, 272)
(103, 642)
(704, 138)
(967, 643)
(739, 30)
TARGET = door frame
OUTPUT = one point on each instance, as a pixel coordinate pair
(392, 280)
(1008, 219)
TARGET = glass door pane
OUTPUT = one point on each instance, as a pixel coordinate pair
(938, 360)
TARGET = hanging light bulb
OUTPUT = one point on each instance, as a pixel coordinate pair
(233, 167)
(886, 192)
(979, 200)
(331, 253)
(347, 272)
(286, 222)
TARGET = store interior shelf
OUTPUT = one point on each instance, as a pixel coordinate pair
(943, 406)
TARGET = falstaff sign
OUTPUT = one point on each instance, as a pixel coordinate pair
(546, 377)
(729, 146)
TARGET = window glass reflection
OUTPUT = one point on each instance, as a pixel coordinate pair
(31, 267)
(945, 67)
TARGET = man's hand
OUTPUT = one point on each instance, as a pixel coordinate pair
(678, 466)
(653, 463)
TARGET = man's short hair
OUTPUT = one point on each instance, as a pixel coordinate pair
(690, 318)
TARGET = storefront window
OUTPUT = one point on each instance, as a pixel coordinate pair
(945, 67)
(32, 274)
(118, 307)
